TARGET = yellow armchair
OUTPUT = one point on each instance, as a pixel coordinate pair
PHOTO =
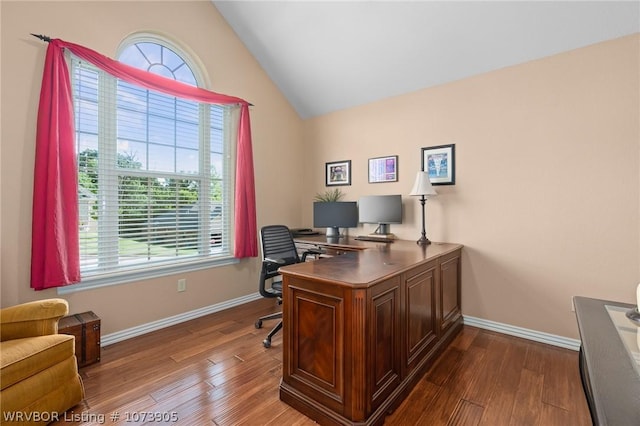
(39, 377)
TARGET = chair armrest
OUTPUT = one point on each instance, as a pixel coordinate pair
(31, 319)
(311, 251)
(274, 261)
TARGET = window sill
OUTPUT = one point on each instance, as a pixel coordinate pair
(92, 283)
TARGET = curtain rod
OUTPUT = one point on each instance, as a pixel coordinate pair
(48, 39)
(42, 37)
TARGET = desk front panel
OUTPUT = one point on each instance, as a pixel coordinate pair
(449, 291)
(382, 359)
(420, 313)
(315, 362)
(343, 344)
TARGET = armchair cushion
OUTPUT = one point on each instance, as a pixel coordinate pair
(23, 358)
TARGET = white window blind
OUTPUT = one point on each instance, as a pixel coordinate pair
(155, 176)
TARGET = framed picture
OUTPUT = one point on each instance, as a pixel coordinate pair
(440, 161)
(383, 169)
(338, 173)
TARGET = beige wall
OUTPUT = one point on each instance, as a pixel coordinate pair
(547, 189)
(548, 166)
(232, 70)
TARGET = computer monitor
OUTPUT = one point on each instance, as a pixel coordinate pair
(335, 215)
(381, 209)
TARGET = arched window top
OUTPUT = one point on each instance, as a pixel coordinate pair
(158, 55)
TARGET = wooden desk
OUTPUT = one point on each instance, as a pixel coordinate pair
(360, 329)
(610, 379)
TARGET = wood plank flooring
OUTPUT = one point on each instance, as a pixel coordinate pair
(214, 371)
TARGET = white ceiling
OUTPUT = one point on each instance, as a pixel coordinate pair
(330, 55)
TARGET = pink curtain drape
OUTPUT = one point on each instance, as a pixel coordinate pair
(55, 252)
(55, 248)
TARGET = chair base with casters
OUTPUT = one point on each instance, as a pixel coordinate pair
(277, 287)
(267, 341)
(278, 249)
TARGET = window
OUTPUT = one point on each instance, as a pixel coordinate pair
(155, 172)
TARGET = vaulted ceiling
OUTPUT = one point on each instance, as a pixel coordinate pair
(330, 55)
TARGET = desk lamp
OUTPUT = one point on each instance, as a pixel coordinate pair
(422, 188)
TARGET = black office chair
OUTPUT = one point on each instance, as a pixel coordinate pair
(278, 249)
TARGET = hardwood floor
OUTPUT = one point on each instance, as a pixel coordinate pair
(214, 370)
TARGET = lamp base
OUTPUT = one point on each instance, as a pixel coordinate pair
(423, 241)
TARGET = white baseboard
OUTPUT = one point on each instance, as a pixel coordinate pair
(525, 333)
(176, 319)
(537, 336)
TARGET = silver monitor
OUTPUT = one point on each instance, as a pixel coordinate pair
(382, 210)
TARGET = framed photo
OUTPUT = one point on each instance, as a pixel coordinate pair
(440, 161)
(338, 173)
(383, 169)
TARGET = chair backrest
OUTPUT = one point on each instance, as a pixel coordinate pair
(278, 249)
(277, 243)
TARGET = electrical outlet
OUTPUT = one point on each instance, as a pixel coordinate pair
(182, 284)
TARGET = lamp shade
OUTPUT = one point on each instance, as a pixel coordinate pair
(422, 185)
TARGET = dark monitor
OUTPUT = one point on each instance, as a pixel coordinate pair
(335, 215)
(380, 209)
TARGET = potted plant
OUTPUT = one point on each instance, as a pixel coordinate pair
(329, 196)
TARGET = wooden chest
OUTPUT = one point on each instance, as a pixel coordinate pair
(86, 329)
